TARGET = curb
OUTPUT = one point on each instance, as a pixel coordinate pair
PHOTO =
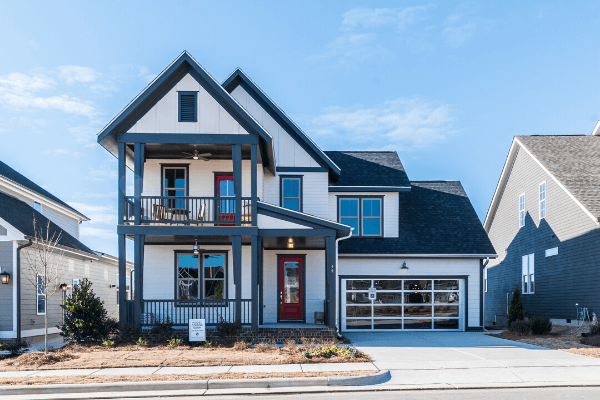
(201, 385)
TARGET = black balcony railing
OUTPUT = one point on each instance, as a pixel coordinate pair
(201, 211)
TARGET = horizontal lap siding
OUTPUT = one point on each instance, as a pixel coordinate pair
(562, 280)
(6, 291)
(418, 267)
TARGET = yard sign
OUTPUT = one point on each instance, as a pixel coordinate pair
(197, 329)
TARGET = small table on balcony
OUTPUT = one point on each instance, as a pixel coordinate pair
(179, 214)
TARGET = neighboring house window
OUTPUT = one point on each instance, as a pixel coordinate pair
(364, 214)
(175, 185)
(528, 274)
(485, 272)
(37, 206)
(291, 193)
(522, 210)
(210, 284)
(542, 200)
(41, 296)
(188, 106)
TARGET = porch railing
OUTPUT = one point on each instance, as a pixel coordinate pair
(200, 211)
(179, 312)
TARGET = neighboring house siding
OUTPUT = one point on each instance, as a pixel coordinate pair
(288, 152)
(391, 208)
(314, 192)
(6, 291)
(163, 117)
(422, 267)
(562, 280)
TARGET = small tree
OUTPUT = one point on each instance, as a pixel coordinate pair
(44, 269)
(86, 318)
(516, 308)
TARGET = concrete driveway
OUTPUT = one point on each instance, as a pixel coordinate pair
(470, 358)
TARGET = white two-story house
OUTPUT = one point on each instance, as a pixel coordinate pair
(238, 215)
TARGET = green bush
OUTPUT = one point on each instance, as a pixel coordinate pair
(141, 342)
(541, 326)
(162, 331)
(516, 312)
(86, 319)
(175, 342)
(521, 327)
(229, 330)
(108, 343)
(15, 348)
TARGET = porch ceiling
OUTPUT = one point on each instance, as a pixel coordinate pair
(176, 150)
(300, 243)
(269, 243)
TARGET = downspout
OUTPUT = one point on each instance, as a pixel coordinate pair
(337, 279)
(487, 260)
(18, 283)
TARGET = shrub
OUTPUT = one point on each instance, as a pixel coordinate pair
(516, 312)
(141, 342)
(108, 343)
(86, 319)
(175, 342)
(229, 330)
(162, 331)
(541, 326)
(331, 351)
(521, 327)
(15, 348)
(129, 333)
(208, 343)
(595, 328)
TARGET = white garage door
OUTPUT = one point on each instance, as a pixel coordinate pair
(407, 304)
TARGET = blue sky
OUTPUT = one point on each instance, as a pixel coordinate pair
(446, 84)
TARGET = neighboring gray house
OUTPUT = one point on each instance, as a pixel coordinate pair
(21, 200)
(543, 222)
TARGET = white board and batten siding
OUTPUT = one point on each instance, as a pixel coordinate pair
(391, 268)
(163, 116)
(314, 192)
(390, 209)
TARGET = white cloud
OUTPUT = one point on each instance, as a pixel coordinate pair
(97, 214)
(395, 124)
(376, 17)
(97, 233)
(104, 172)
(74, 73)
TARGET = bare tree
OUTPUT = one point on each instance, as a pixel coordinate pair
(44, 261)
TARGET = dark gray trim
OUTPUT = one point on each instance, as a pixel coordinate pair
(360, 217)
(236, 150)
(301, 169)
(138, 181)
(187, 176)
(188, 93)
(17, 274)
(122, 294)
(280, 211)
(253, 184)
(411, 256)
(303, 257)
(236, 250)
(330, 281)
(369, 188)
(121, 184)
(254, 279)
(186, 138)
(301, 194)
(296, 232)
(260, 267)
(201, 271)
(171, 230)
(139, 272)
(481, 292)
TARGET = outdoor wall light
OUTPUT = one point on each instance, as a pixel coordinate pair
(290, 243)
(63, 287)
(5, 278)
(196, 249)
(404, 267)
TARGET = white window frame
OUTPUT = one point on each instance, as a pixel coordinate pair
(522, 213)
(542, 201)
(40, 206)
(37, 296)
(528, 274)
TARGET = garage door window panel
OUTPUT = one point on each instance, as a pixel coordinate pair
(359, 312)
(358, 285)
(446, 311)
(388, 311)
(417, 311)
(359, 324)
(387, 324)
(445, 324)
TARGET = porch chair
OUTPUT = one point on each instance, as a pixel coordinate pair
(159, 212)
(201, 215)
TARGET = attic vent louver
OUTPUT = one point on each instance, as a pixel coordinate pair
(188, 106)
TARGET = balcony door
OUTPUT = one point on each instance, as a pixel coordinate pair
(226, 201)
(291, 288)
(175, 185)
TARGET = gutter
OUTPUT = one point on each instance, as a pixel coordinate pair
(487, 260)
(18, 283)
(337, 280)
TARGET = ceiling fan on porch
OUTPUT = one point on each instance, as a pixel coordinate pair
(195, 155)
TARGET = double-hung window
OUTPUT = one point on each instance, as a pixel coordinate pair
(175, 185)
(364, 214)
(522, 210)
(41, 295)
(542, 200)
(528, 274)
(291, 192)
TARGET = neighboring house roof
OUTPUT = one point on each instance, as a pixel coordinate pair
(19, 179)
(370, 168)
(20, 215)
(436, 218)
(238, 77)
(185, 63)
(572, 160)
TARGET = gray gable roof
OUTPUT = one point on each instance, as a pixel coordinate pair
(11, 174)
(436, 217)
(20, 215)
(572, 159)
(369, 168)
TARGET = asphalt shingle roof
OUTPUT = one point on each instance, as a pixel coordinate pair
(436, 217)
(369, 168)
(20, 179)
(574, 160)
(20, 215)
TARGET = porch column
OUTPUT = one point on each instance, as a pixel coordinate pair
(236, 244)
(236, 150)
(254, 279)
(330, 280)
(254, 183)
(121, 184)
(138, 181)
(138, 255)
(122, 281)
(260, 269)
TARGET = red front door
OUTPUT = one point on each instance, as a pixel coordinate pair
(291, 289)
(225, 206)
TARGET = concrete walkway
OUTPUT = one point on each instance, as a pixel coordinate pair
(421, 358)
(323, 367)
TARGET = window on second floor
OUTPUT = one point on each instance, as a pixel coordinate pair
(542, 200)
(522, 210)
(291, 192)
(37, 206)
(364, 214)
